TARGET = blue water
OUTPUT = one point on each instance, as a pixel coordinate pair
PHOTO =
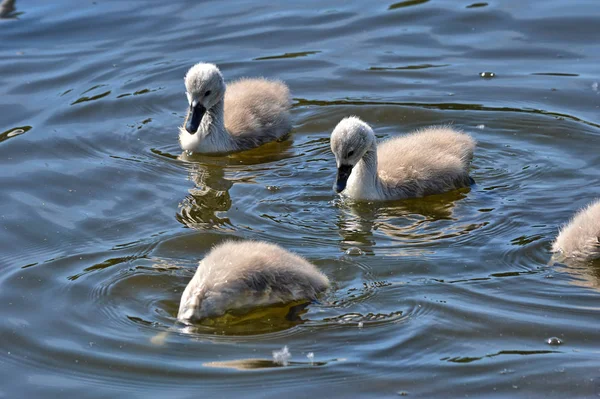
(103, 220)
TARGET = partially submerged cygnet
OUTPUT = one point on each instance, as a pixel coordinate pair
(429, 161)
(248, 274)
(579, 240)
(249, 113)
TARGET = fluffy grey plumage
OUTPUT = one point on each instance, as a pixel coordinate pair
(247, 274)
(579, 240)
(249, 113)
(429, 161)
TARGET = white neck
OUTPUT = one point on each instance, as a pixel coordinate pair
(364, 182)
(211, 137)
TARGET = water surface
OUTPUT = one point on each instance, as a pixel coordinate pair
(102, 220)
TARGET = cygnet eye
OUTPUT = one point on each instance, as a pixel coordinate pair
(350, 153)
(207, 93)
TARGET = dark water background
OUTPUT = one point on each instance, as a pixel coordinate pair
(102, 222)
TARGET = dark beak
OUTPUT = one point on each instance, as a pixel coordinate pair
(194, 118)
(342, 178)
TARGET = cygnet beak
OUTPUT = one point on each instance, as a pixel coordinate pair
(343, 174)
(194, 117)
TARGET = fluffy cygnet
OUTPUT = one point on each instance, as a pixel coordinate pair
(249, 113)
(247, 274)
(579, 240)
(429, 161)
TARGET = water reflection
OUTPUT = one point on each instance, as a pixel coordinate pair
(270, 152)
(206, 203)
(254, 321)
(253, 364)
(414, 219)
(585, 274)
(406, 3)
(203, 206)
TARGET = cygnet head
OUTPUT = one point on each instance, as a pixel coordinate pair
(205, 88)
(350, 140)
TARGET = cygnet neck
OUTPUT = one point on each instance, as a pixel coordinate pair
(212, 128)
(366, 169)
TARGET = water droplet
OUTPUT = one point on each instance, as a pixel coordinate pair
(481, 127)
(360, 324)
(554, 341)
(354, 251)
(487, 75)
(282, 357)
(311, 357)
(595, 86)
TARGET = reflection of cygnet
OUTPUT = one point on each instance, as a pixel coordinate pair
(429, 161)
(579, 240)
(203, 205)
(251, 112)
(209, 177)
(247, 274)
